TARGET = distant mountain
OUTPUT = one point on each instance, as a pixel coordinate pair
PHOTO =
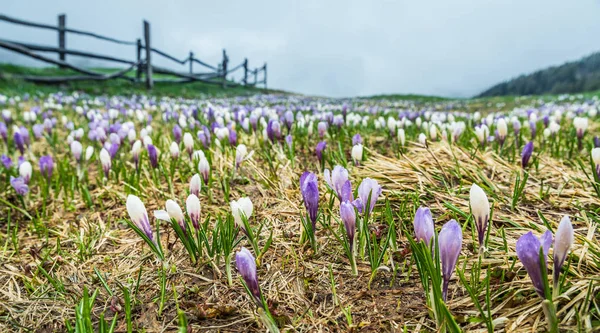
(572, 77)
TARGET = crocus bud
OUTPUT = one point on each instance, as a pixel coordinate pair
(204, 169)
(581, 125)
(563, 239)
(19, 141)
(357, 153)
(480, 208)
(135, 152)
(19, 185)
(195, 185)
(241, 208)
(175, 212)
(338, 181)
(246, 266)
(528, 251)
(322, 128)
(309, 189)
(423, 139)
(188, 143)
(450, 243)
(76, 150)
(138, 214)
(596, 159)
(502, 130)
(356, 139)
(174, 150)
(105, 161)
(46, 166)
(89, 151)
(348, 216)
(25, 171)
(369, 188)
(401, 136)
(192, 205)
(319, 150)
(6, 161)
(177, 133)
(526, 154)
(240, 154)
(152, 155)
(423, 225)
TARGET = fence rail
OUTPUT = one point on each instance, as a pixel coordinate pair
(142, 64)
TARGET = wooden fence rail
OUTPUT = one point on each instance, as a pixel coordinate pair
(142, 64)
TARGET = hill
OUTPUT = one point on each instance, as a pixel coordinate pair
(572, 77)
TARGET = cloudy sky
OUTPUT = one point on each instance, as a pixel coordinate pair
(337, 48)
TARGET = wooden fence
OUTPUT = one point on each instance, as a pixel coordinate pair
(142, 64)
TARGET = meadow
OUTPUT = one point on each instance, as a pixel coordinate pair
(133, 212)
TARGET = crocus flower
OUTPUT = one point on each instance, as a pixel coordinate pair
(19, 142)
(309, 188)
(76, 150)
(319, 150)
(175, 212)
(135, 152)
(246, 265)
(19, 185)
(38, 130)
(6, 161)
(528, 251)
(192, 206)
(174, 150)
(25, 171)
(348, 216)
(232, 137)
(138, 214)
(596, 142)
(369, 188)
(581, 125)
(356, 139)
(188, 143)
(563, 239)
(240, 154)
(423, 139)
(338, 181)
(241, 208)
(357, 153)
(502, 130)
(195, 185)
(46, 166)
(480, 208)
(450, 243)
(596, 159)
(204, 169)
(322, 128)
(89, 151)
(273, 130)
(4, 132)
(526, 154)
(289, 141)
(152, 155)
(423, 225)
(113, 149)
(106, 161)
(401, 136)
(177, 133)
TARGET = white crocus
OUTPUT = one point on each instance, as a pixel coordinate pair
(195, 184)
(241, 208)
(480, 208)
(357, 153)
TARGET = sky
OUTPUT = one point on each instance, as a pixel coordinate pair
(334, 48)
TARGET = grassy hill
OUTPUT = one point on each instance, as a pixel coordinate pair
(572, 77)
(9, 83)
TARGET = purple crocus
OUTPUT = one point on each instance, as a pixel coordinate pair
(369, 189)
(246, 266)
(528, 251)
(113, 149)
(356, 139)
(177, 133)
(38, 130)
(153, 156)
(596, 142)
(338, 181)
(423, 225)
(46, 166)
(289, 141)
(273, 130)
(6, 161)
(309, 187)
(319, 150)
(526, 154)
(532, 127)
(348, 216)
(232, 137)
(19, 185)
(19, 142)
(450, 243)
(4, 132)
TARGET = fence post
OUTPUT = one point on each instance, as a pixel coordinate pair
(138, 72)
(191, 62)
(245, 71)
(225, 61)
(149, 82)
(255, 76)
(265, 69)
(62, 21)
